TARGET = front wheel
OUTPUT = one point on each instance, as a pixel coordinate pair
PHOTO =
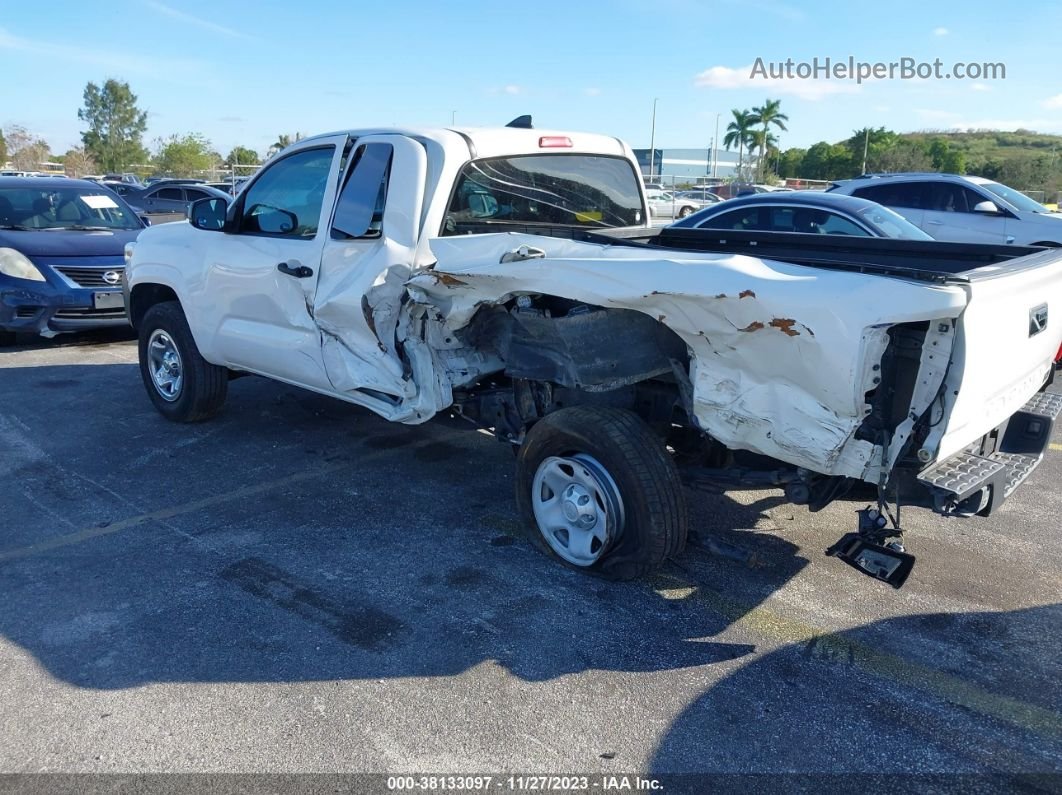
(182, 385)
(685, 211)
(597, 490)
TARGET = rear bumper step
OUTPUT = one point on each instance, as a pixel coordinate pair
(976, 481)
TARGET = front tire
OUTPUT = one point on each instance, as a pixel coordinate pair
(182, 385)
(598, 491)
(685, 212)
(7, 338)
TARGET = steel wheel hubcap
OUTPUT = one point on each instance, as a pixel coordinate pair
(165, 366)
(577, 507)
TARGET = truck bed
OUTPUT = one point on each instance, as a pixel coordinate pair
(925, 260)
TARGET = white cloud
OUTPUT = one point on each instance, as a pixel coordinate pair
(980, 87)
(941, 31)
(592, 92)
(124, 63)
(724, 77)
(198, 22)
(1053, 103)
(514, 90)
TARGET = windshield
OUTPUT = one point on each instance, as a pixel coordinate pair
(569, 190)
(63, 207)
(890, 224)
(1019, 200)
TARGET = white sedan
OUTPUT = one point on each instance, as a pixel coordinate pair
(666, 204)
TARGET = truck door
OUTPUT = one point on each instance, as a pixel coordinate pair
(368, 255)
(263, 275)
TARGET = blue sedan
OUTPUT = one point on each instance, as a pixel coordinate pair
(809, 212)
(62, 262)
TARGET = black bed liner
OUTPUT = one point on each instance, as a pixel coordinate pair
(925, 260)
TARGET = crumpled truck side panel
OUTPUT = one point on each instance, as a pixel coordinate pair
(780, 354)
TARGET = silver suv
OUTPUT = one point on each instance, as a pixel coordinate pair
(959, 208)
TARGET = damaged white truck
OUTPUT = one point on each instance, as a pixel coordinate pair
(508, 276)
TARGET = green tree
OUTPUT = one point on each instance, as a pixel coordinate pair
(954, 162)
(827, 161)
(115, 125)
(767, 115)
(791, 163)
(242, 156)
(3, 148)
(875, 143)
(737, 133)
(905, 155)
(183, 156)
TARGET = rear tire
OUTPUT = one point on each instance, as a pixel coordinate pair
(685, 212)
(7, 338)
(636, 509)
(182, 385)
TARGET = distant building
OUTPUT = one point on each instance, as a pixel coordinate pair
(688, 165)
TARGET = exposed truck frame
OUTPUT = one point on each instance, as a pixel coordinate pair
(615, 363)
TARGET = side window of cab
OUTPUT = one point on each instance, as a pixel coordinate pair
(285, 201)
(360, 208)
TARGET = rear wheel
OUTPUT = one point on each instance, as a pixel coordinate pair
(182, 385)
(598, 491)
(685, 211)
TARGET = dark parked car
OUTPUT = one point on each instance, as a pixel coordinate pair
(171, 197)
(62, 263)
(810, 212)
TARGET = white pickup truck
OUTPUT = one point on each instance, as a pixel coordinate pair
(419, 271)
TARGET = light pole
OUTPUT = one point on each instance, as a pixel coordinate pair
(453, 118)
(866, 145)
(652, 142)
(715, 159)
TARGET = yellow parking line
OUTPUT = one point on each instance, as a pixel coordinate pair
(207, 502)
(765, 622)
(1055, 447)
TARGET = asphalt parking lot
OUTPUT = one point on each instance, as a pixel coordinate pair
(302, 586)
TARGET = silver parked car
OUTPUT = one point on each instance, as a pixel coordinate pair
(960, 208)
(665, 204)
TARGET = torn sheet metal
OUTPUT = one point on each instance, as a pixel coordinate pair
(779, 352)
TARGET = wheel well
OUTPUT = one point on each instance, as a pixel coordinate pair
(145, 296)
(1048, 244)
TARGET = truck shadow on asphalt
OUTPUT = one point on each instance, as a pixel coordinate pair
(331, 545)
(977, 692)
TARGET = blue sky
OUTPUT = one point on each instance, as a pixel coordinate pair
(242, 72)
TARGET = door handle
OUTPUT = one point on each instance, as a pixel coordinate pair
(298, 271)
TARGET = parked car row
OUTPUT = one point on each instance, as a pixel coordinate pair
(90, 223)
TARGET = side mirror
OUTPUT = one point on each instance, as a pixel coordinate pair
(145, 220)
(986, 207)
(271, 220)
(208, 214)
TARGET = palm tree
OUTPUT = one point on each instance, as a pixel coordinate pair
(770, 113)
(737, 133)
(283, 142)
(765, 142)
